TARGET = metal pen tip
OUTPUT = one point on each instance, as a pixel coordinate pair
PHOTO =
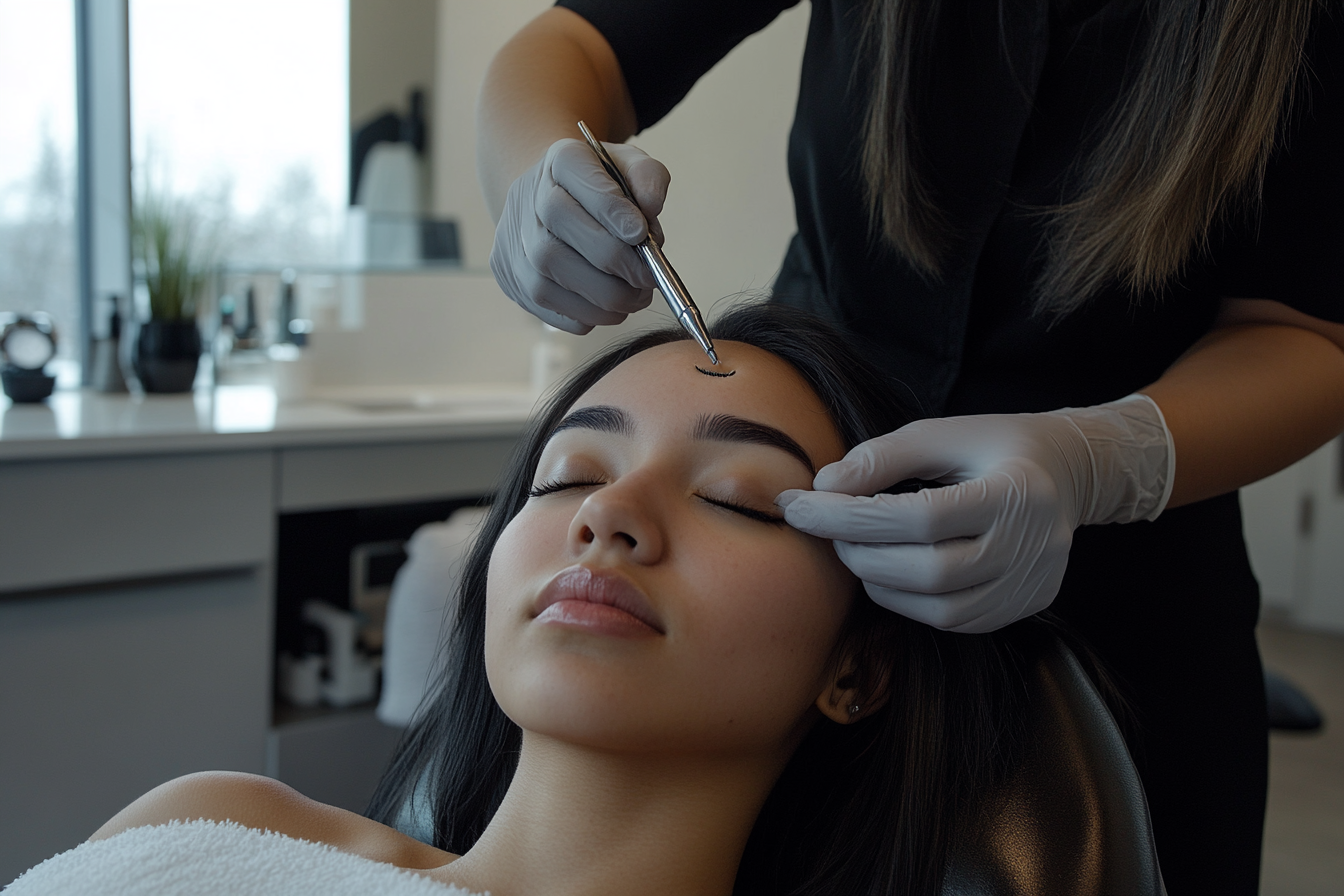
(713, 356)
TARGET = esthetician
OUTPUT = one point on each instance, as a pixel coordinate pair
(1126, 209)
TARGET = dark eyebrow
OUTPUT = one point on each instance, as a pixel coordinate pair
(602, 418)
(727, 428)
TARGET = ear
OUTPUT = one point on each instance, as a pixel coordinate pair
(853, 694)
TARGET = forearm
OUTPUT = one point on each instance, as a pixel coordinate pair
(557, 70)
(1247, 401)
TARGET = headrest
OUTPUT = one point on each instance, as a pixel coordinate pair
(1071, 818)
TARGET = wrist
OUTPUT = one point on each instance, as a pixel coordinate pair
(1132, 458)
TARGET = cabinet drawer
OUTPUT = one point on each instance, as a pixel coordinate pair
(104, 519)
(109, 691)
(365, 475)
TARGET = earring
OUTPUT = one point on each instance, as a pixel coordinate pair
(854, 709)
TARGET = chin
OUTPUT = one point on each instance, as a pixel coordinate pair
(599, 707)
(580, 699)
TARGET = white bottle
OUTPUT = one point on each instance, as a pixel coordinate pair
(551, 360)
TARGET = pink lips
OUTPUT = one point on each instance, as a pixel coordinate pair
(603, 602)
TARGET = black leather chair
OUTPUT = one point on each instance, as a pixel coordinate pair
(1072, 818)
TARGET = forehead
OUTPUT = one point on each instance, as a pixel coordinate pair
(663, 390)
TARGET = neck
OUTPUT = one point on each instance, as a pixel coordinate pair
(581, 821)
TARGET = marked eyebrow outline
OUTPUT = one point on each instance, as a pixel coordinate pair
(708, 428)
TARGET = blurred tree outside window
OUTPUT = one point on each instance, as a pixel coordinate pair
(38, 239)
(239, 111)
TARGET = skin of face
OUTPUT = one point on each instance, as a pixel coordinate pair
(749, 611)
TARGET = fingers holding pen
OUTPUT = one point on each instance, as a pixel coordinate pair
(575, 167)
(564, 245)
(553, 258)
(562, 218)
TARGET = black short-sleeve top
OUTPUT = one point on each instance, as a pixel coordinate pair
(1018, 86)
(1170, 605)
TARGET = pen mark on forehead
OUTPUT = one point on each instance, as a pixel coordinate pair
(714, 372)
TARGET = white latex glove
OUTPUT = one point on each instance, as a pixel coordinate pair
(990, 547)
(564, 245)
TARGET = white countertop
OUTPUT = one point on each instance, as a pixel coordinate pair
(84, 423)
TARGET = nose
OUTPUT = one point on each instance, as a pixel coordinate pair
(618, 518)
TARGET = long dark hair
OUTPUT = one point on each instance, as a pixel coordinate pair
(866, 808)
(1190, 135)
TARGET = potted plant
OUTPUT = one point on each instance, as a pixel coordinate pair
(169, 260)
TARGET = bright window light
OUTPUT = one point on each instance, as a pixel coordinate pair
(241, 109)
(38, 252)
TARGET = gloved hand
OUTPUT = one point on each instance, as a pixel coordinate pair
(991, 546)
(563, 247)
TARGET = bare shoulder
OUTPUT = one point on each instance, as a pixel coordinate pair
(265, 804)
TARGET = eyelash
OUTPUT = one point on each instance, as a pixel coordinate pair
(759, 515)
(552, 487)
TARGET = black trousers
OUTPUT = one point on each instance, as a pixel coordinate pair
(1170, 607)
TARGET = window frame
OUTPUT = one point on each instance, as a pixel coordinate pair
(103, 168)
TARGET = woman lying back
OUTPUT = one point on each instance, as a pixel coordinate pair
(654, 684)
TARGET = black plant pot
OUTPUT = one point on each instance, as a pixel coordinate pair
(166, 355)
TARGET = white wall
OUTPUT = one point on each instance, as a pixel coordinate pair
(426, 328)
(392, 50)
(1271, 511)
(729, 213)
(1294, 525)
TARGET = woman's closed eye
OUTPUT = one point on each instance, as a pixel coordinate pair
(555, 486)
(550, 487)
(749, 512)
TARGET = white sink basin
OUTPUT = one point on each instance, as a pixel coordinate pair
(437, 399)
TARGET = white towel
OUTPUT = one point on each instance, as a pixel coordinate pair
(198, 858)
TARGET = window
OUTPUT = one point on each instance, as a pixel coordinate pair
(239, 110)
(38, 238)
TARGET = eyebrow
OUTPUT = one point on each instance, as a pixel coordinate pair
(709, 428)
(727, 428)
(602, 418)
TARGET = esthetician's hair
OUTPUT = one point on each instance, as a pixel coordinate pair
(1187, 140)
(865, 808)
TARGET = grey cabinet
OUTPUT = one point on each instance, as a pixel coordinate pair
(107, 519)
(106, 692)
(136, 623)
(134, 634)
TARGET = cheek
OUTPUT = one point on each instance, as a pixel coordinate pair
(523, 552)
(529, 544)
(770, 617)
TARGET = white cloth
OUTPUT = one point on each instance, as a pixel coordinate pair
(418, 611)
(199, 858)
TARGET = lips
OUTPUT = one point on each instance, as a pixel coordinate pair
(602, 601)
